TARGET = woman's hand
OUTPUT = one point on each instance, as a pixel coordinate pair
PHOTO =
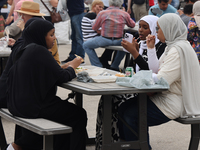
(66, 65)
(21, 24)
(150, 41)
(75, 62)
(133, 47)
(11, 41)
(130, 46)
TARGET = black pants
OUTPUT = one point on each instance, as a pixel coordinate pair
(62, 112)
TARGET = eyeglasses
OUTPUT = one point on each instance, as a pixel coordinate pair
(157, 28)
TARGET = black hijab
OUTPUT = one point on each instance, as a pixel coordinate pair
(36, 32)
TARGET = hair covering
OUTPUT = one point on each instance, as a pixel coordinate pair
(175, 33)
(36, 32)
(152, 22)
(196, 12)
(18, 7)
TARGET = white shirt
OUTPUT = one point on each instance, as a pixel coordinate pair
(170, 101)
(43, 8)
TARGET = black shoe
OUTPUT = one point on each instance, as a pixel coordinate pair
(66, 60)
(104, 63)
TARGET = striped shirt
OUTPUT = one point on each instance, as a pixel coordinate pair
(86, 26)
(112, 21)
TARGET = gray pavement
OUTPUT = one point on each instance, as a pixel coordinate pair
(169, 136)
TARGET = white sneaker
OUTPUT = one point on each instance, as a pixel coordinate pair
(10, 147)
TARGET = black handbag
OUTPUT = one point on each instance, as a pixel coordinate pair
(55, 16)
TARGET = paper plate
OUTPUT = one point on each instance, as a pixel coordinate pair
(104, 78)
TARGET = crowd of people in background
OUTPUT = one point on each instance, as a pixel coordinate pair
(169, 31)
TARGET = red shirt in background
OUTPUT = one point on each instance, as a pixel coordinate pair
(151, 3)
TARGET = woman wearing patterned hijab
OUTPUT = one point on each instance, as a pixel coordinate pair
(194, 29)
(32, 83)
(179, 66)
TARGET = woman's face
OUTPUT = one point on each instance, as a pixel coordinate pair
(160, 34)
(144, 30)
(98, 8)
(50, 38)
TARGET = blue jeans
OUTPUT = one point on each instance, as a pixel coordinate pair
(175, 3)
(100, 41)
(129, 112)
(76, 36)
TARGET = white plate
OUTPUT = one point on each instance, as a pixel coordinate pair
(104, 78)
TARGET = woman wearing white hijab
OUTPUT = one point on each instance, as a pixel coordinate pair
(147, 25)
(180, 68)
(194, 29)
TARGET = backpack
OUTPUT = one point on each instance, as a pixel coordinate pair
(139, 2)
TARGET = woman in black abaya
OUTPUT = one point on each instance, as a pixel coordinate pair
(32, 82)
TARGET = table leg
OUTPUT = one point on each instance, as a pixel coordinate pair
(79, 102)
(79, 99)
(1, 65)
(3, 142)
(48, 142)
(107, 114)
(142, 100)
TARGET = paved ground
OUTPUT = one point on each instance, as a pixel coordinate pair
(169, 136)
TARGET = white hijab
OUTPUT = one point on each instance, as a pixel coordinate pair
(152, 21)
(196, 12)
(175, 33)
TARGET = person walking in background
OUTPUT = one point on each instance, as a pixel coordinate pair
(13, 7)
(112, 22)
(76, 13)
(194, 29)
(139, 8)
(162, 8)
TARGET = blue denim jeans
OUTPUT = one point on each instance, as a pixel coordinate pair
(175, 3)
(76, 36)
(100, 41)
(129, 112)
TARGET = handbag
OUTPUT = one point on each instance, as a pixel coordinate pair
(62, 9)
(55, 16)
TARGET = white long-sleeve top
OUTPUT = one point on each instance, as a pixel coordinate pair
(170, 101)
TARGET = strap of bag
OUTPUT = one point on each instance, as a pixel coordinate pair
(46, 6)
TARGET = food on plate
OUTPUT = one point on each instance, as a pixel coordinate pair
(80, 69)
(120, 74)
(79, 57)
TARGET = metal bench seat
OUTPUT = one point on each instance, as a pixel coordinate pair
(40, 126)
(195, 131)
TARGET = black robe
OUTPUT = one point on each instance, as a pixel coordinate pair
(32, 81)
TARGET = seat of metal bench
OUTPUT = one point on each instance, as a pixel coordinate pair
(40, 126)
(195, 131)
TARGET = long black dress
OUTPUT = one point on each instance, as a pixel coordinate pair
(32, 82)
